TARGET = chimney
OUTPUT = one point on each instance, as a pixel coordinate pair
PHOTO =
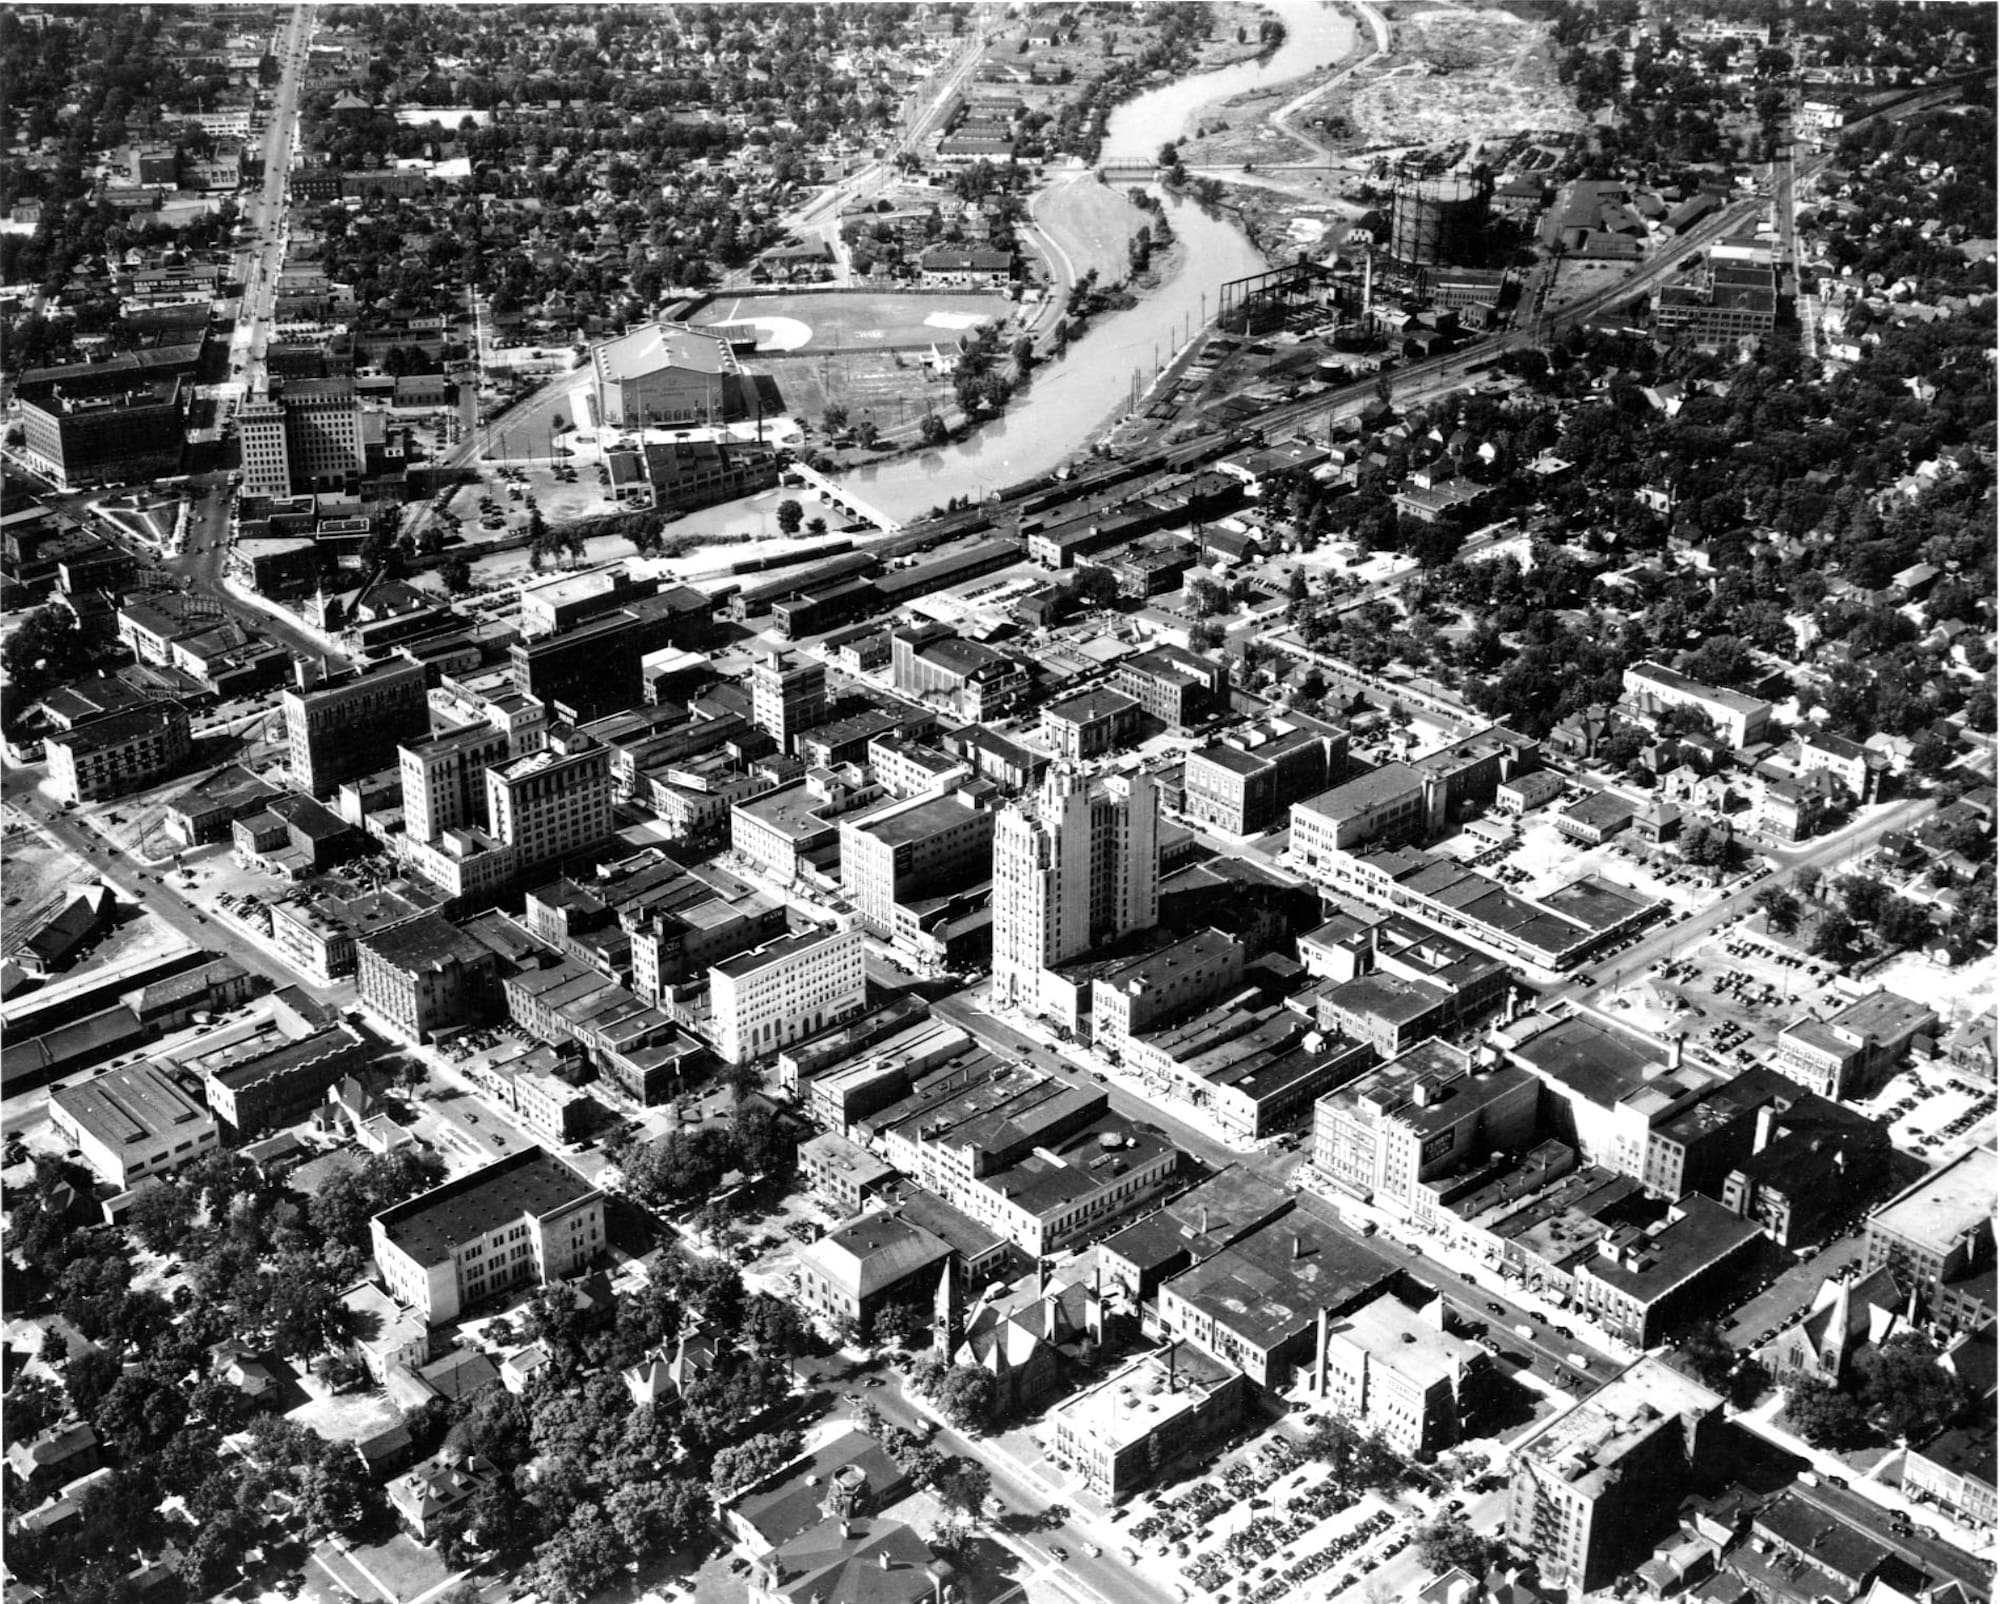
(887, 1564)
(1204, 1219)
(1766, 1117)
(1513, 1005)
(308, 672)
(1319, 1356)
(1675, 1048)
(1298, 1246)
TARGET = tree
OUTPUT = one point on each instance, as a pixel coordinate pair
(934, 431)
(1447, 1540)
(1207, 598)
(456, 573)
(1781, 909)
(1358, 1460)
(816, 526)
(967, 1396)
(751, 1461)
(834, 419)
(1706, 846)
(1834, 936)
(790, 516)
(1298, 592)
(1095, 587)
(1824, 1417)
(963, 1485)
(1906, 1390)
(34, 1403)
(654, 1519)
(1706, 1354)
(335, 1494)
(583, 1557)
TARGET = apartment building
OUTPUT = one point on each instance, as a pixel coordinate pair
(1939, 1232)
(527, 1217)
(763, 1000)
(1590, 1490)
(1653, 688)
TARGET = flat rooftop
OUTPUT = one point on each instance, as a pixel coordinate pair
(1583, 1446)
(124, 1107)
(919, 821)
(1942, 1208)
(1595, 1058)
(1269, 1286)
(1704, 1235)
(776, 952)
(531, 1182)
(1672, 679)
(1148, 1394)
(1392, 782)
(1202, 1220)
(1399, 1337)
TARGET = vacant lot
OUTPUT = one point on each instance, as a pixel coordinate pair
(1461, 76)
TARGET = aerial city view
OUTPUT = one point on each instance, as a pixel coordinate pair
(998, 803)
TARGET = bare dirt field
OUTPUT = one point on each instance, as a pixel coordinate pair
(1459, 77)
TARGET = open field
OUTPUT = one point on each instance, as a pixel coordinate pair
(1459, 77)
(1089, 225)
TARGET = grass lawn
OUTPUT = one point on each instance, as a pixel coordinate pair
(401, 1568)
(846, 321)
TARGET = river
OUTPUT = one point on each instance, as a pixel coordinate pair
(1070, 399)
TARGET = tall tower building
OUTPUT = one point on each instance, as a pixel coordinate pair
(552, 802)
(323, 434)
(444, 778)
(267, 462)
(337, 729)
(787, 695)
(1076, 867)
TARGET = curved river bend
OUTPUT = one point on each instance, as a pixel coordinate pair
(1075, 396)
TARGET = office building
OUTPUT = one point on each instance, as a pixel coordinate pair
(1196, 1225)
(115, 425)
(1172, 684)
(444, 779)
(1391, 803)
(426, 977)
(133, 1123)
(1646, 1281)
(1849, 1053)
(1257, 1304)
(323, 435)
(552, 803)
(787, 695)
(923, 847)
(267, 463)
(1074, 868)
(934, 665)
(527, 1217)
(1089, 724)
(1244, 783)
(1400, 1372)
(336, 730)
(1155, 1409)
(763, 1000)
(1938, 1231)
(1160, 988)
(120, 752)
(851, 1273)
(1431, 1111)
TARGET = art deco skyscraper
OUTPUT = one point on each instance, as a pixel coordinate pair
(1073, 868)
